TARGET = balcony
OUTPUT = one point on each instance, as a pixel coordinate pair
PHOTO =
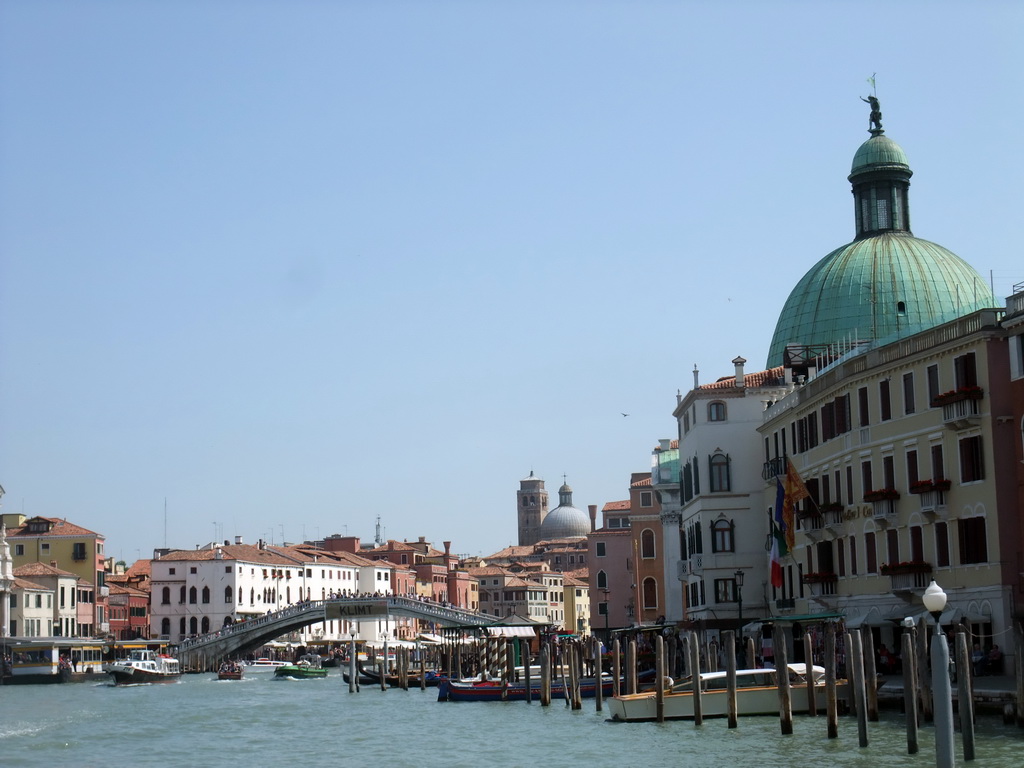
(785, 605)
(822, 583)
(834, 515)
(909, 577)
(774, 468)
(883, 510)
(960, 409)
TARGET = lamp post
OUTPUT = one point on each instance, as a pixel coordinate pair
(942, 695)
(739, 595)
(607, 610)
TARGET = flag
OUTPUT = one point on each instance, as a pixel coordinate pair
(779, 549)
(795, 491)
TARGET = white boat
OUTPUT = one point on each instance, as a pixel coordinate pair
(756, 694)
(258, 665)
(144, 666)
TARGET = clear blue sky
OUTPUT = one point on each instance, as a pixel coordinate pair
(294, 265)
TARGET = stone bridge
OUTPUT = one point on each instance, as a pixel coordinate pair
(241, 637)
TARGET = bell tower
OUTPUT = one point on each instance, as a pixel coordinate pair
(532, 506)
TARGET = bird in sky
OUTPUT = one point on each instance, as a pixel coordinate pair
(625, 414)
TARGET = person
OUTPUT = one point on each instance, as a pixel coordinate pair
(978, 660)
(885, 664)
(994, 661)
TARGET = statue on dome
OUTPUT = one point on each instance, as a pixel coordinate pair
(875, 121)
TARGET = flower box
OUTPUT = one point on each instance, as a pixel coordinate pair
(882, 494)
(910, 566)
(821, 577)
(831, 507)
(924, 486)
(956, 395)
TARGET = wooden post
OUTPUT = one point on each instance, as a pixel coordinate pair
(1018, 658)
(831, 704)
(870, 674)
(698, 708)
(855, 653)
(423, 669)
(782, 680)
(910, 690)
(812, 702)
(524, 654)
(353, 676)
(965, 697)
(383, 669)
(751, 654)
(577, 671)
(616, 667)
(659, 674)
(730, 677)
(510, 668)
(924, 678)
(545, 675)
(456, 674)
(631, 666)
(598, 674)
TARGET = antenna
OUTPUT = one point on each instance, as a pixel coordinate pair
(165, 522)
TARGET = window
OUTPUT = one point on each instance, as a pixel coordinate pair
(165, 627)
(892, 546)
(972, 466)
(865, 477)
(973, 544)
(646, 499)
(884, 399)
(181, 595)
(206, 594)
(19, 549)
(78, 550)
(228, 594)
(941, 545)
(912, 474)
(600, 549)
(602, 580)
(888, 472)
(193, 596)
(862, 406)
(965, 371)
(647, 551)
(916, 544)
(719, 470)
(165, 595)
(716, 412)
(938, 465)
(722, 536)
(908, 393)
(192, 569)
(853, 555)
(650, 593)
(933, 383)
(870, 553)
(725, 590)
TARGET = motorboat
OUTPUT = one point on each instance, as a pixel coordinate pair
(230, 670)
(144, 666)
(757, 693)
(257, 665)
(307, 667)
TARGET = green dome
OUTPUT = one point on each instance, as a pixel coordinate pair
(877, 154)
(888, 285)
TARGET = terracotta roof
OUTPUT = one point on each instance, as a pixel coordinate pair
(488, 570)
(26, 584)
(118, 589)
(575, 581)
(510, 552)
(59, 527)
(769, 378)
(140, 568)
(30, 570)
(580, 574)
(616, 506)
(642, 483)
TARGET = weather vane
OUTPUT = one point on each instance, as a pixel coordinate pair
(875, 120)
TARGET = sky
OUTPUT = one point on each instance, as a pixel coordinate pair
(281, 270)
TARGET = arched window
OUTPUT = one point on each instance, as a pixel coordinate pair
(181, 627)
(719, 471)
(722, 536)
(181, 596)
(166, 595)
(650, 593)
(252, 596)
(228, 591)
(193, 625)
(206, 594)
(647, 544)
(193, 595)
(165, 627)
(602, 580)
(228, 621)
(206, 624)
(687, 482)
(696, 477)
(901, 308)
(716, 411)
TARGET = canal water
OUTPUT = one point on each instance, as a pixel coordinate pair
(260, 721)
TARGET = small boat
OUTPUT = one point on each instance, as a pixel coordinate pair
(369, 676)
(144, 666)
(305, 668)
(262, 664)
(757, 693)
(230, 670)
(496, 690)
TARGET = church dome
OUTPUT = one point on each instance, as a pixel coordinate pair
(886, 283)
(565, 521)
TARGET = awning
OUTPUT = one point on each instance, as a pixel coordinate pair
(510, 631)
(803, 619)
(430, 639)
(956, 615)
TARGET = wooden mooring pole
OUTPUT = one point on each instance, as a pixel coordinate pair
(870, 675)
(730, 677)
(812, 702)
(659, 674)
(831, 703)
(965, 694)
(782, 680)
(910, 691)
(856, 656)
(616, 667)
(698, 708)
(598, 674)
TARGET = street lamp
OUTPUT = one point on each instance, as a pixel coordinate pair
(934, 600)
(607, 610)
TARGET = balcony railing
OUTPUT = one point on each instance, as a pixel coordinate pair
(883, 509)
(933, 502)
(774, 468)
(961, 414)
(908, 582)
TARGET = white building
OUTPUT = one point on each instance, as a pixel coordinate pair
(198, 591)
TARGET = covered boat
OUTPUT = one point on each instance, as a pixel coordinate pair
(144, 666)
(496, 690)
(757, 693)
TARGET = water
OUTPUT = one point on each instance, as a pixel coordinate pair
(260, 721)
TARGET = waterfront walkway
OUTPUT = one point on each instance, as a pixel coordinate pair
(991, 692)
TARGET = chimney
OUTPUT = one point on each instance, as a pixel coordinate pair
(696, 376)
(238, 539)
(53, 563)
(592, 509)
(740, 380)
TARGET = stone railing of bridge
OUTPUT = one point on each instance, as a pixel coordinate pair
(202, 651)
